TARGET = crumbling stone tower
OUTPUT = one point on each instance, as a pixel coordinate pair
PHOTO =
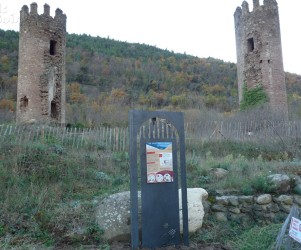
(259, 52)
(41, 72)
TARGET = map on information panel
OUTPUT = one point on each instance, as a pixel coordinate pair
(159, 162)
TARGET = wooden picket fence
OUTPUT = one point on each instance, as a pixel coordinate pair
(116, 139)
(257, 131)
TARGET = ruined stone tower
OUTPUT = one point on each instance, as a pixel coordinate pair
(259, 52)
(41, 72)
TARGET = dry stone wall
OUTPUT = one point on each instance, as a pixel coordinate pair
(268, 207)
(258, 208)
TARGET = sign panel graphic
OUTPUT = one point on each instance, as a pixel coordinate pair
(295, 229)
(159, 162)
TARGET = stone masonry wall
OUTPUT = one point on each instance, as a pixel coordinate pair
(259, 52)
(260, 208)
(41, 70)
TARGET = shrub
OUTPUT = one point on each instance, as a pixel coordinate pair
(253, 97)
(7, 104)
(121, 160)
(95, 231)
(260, 184)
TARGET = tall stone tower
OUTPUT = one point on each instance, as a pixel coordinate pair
(41, 72)
(259, 52)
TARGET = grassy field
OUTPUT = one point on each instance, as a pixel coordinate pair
(48, 191)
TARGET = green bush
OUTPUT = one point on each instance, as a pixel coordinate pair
(2, 230)
(121, 161)
(253, 97)
(95, 231)
(260, 184)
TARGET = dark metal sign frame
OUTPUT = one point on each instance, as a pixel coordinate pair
(160, 220)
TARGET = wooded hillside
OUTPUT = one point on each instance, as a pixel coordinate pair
(106, 78)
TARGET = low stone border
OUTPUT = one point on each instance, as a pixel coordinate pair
(259, 208)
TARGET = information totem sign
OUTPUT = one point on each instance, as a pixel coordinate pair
(158, 171)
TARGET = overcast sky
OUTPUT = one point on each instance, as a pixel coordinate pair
(201, 28)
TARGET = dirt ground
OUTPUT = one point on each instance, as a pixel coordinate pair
(193, 246)
(126, 246)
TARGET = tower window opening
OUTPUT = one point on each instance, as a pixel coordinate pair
(251, 44)
(54, 113)
(23, 103)
(53, 48)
